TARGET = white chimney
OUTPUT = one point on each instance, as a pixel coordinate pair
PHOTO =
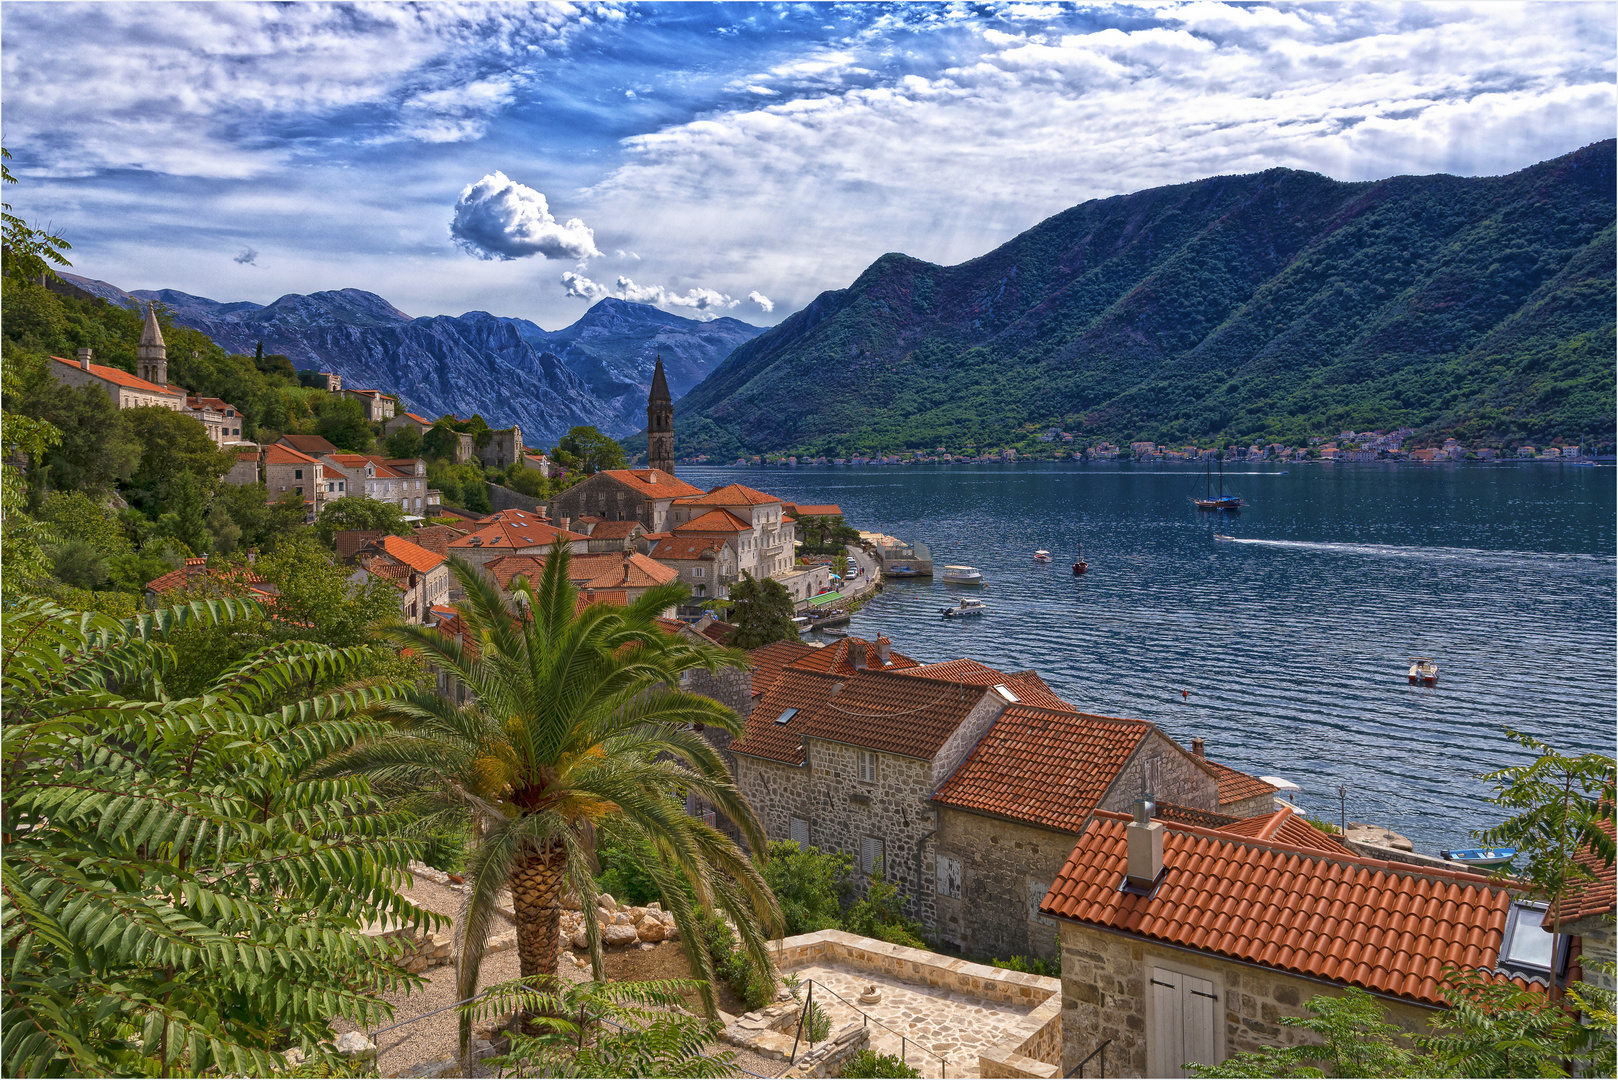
(884, 650)
(84, 358)
(1145, 839)
(565, 522)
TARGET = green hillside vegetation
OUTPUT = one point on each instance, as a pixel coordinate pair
(1265, 307)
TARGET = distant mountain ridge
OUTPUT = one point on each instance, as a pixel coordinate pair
(1279, 303)
(597, 371)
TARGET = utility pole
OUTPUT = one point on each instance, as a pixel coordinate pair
(1342, 808)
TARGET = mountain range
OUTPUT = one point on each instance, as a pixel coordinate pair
(1276, 304)
(597, 371)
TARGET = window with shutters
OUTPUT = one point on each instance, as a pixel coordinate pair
(867, 767)
(949, 876)
(870, 855)
(800, 832)
(1184, 1018)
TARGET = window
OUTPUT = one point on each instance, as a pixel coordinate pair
(786, 715)
(1005, 692)
(867, 767)
(297, 474)
(1183, 1028)
(298, 489)
(1526, 949)
(949, 876)
(870, 854)
(800, 832)
(697, 572)
(700, 590)
(340, 485)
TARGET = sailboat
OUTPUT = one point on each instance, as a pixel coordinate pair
(1221, 501)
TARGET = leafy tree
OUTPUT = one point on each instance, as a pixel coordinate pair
(809, 884)
(132, 570)
(358, 512)
(624, 876)
(342, 423)
(76, 516)
(880, 914)
(1358, 1041)
(585, 448)
(406, 442)
(316, 601)
(183, 500)
(530, 482)
(762, 612)
(869, 1063)
(96, 448)
(839, 565)
(650, 1034)
(177, 899)
(1564, 805)
(22, 562)
(1496, 1029)
(263, 524)
(29, 254)
(574, 719)
(442, 441)
(76, 563)
(171, 443)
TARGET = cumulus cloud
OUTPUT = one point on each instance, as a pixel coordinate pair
(705, 302)
(247, 257)
(498, 218)
(762, 301)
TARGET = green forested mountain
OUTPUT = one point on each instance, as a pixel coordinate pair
(1272, 305)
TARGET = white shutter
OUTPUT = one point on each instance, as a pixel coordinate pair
(800, 832)
(1199, 1016)
(1168, 1040)
(870, 854)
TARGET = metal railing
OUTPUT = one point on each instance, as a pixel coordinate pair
(904, 1039)
(1101, 1052)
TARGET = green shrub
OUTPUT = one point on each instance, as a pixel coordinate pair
(809, 884)
(880, 914)
(867, 1063)
(731, 964)
(816, 1024)
(624, 873)
(1031, 965)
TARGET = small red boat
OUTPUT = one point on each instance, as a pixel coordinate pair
(1080, 567)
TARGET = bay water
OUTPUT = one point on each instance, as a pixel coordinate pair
(1286, 648)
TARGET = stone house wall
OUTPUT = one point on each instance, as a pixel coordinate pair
(124, 397)
(1597, 944)
(1002, 865)
(1160, 766)
(504, 447)
(1250, 807)
(603, 497)
(244, 472)
(1104, 984)
(503, 498)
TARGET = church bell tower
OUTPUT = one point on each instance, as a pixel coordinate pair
(152, 356)
(660, 423)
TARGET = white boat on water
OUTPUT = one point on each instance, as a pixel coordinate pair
(963, 575)
(1042, 555)
(965, 608)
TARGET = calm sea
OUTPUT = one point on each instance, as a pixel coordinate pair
(1293, 641)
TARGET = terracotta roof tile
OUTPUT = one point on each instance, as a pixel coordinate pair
(1589, 898)
(513, 517)
(124, 378)
(417, 558)
(851, 655)
(604, 570)
(615, 530)
(196, 572)
(1382, 926)
(435, 538)
(1046, 767)
(687, 548)
(1029, 691)
(610, 597)
(276, 454)
(1186, 815)
(730, 495)
(348, 542)
(768, 660)
(821, 510)
(720, 521)
(314, 445)
(1287, 827)
(762, 737)
(719, 633)
(654, 483)
(1234, 786)
(515, 536)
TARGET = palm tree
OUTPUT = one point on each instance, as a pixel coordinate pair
(574, 722)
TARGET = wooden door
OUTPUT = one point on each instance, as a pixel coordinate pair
(1183, 1022)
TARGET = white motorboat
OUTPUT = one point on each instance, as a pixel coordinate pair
(963, 575)
(965, 608)
(1042, 556)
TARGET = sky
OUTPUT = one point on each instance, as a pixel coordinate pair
(721, 159)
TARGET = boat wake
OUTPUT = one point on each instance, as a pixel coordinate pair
(1442, 554)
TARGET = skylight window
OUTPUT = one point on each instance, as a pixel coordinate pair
(1525, 945)
(1005, 692)
(786, 714)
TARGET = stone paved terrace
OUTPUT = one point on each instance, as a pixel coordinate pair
(983, 1021)
(927, 1022)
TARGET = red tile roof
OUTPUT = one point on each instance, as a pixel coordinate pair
(276, 454)
(1589, 898)
(792, 689)
(1287, 827)
(653, 483)
(1234, 786)
(359, 461)
(308, 444)
(687, 548)
(124, 378)
(422, 420)
(1029, 691)
(348, 542)
(1186, 815)
(768, 660)
(513, 517)
(515, 536)
(1386, 927)
(435, 538)
(730, 495)
(720, 521)
(417, 558)
(604, 570)
(615, 530)
(1046, 767)
(822, 510)
(196, 572)
(610, 597)
(840, 658)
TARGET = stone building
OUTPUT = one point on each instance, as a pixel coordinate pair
(514, 536)
(660, 423)
(751, 522)
(502, 447)
(421, 576)
(222, 419)
(404, 420)
(149, 386)
(706, 564)
(1185, 943)
(378, 406)
(401, 481)
(613, 535)
(628, 573)
(245, 471)
(286, 470)
(643, 495)
(313, 445)
(1588, 914)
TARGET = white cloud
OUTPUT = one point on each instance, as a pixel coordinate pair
(246, 257)
(498, 218)
(705, 302)
(762, 301)
(583, 288)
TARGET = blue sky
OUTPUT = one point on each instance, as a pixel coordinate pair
(722, 159)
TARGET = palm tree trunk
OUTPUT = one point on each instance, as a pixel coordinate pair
(536, 900)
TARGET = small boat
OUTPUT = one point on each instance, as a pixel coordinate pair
(1481, 858)
(832, 631)
(902, 571)
(1423, 672)
(963, 575)
(1221, 501)
(1042, 556)
(1080, 567)
(801, 622)
(965, 608)
(1222, 538)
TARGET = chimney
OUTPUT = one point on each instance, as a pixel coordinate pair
(589, 596)
(884, 649)
(1199, 748)
(856, 651)
(1145, 844)
(565, 523)
(84, 358)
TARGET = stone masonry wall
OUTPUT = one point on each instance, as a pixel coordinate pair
(965, 737)
(776, 792)
(1597, 944)
(1104, 983)
(1003, 863)
(603, 497)
(503, 498)
(1159, 766)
